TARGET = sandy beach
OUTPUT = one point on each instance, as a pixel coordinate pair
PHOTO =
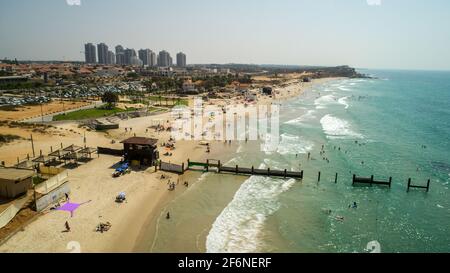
(92, 184)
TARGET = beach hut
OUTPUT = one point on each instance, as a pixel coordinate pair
(141, 149)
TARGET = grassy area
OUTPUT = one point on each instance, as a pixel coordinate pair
(170, 101)
(89, 113)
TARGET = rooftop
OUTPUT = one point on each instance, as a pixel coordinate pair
(15, 174)
(140, 141)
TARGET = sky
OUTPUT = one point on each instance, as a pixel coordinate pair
(384, 34)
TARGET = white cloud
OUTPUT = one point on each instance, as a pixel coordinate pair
(374, 2)
(73, 2)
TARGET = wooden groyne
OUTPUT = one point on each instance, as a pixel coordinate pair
(244, 171)
(427, 187)
(216, 166)
(370, 181)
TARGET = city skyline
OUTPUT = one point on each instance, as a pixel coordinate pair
(128, 56)
(358, 33)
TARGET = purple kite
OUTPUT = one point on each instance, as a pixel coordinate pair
(71, 207)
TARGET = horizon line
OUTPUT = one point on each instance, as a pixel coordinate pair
(260, 64)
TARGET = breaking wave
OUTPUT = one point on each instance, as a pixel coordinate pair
(288, 144)
(337, 128)
(344, 102)
(239, 228)
(323, 101)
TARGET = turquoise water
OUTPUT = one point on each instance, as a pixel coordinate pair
(396, 125)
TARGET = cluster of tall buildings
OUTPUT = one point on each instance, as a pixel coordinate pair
(128, 56)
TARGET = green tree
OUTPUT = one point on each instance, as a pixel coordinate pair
(132, 75)
(111, 99)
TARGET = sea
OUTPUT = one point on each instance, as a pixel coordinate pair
(396, 124)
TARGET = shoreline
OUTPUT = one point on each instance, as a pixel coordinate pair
(149, 231)
(135, 222)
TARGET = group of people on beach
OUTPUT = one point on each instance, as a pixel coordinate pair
(186, 184)
(171, 185)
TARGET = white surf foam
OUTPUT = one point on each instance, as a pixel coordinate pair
(337, 128)
(343, 88)
(307, 116)
(239, 228)
(344, 102)
(323, 101)
(288, 144)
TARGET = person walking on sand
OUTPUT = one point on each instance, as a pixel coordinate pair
(67, 226)
(168, 216)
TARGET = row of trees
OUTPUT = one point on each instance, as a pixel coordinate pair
(208, 83)
(164, 83)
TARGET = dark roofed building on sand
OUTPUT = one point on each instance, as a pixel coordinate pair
(141, 149)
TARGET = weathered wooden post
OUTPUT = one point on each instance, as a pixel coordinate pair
(318, 178)
(237, 169)
(409, 184)
(428, 185)
(253, 170)
(207, 165)
(335, 178)
(371, 180)
(189, 163)
(390, 181)
(182, 168)
(301, 174)
(218, 166)
(268, 171)
(309, 155)
(354, 178)
(32, 145)
(51, 149)
(285, 173)
(28, 156)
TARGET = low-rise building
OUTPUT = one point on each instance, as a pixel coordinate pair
(189, 86)
(15, 182)
(141, 149)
